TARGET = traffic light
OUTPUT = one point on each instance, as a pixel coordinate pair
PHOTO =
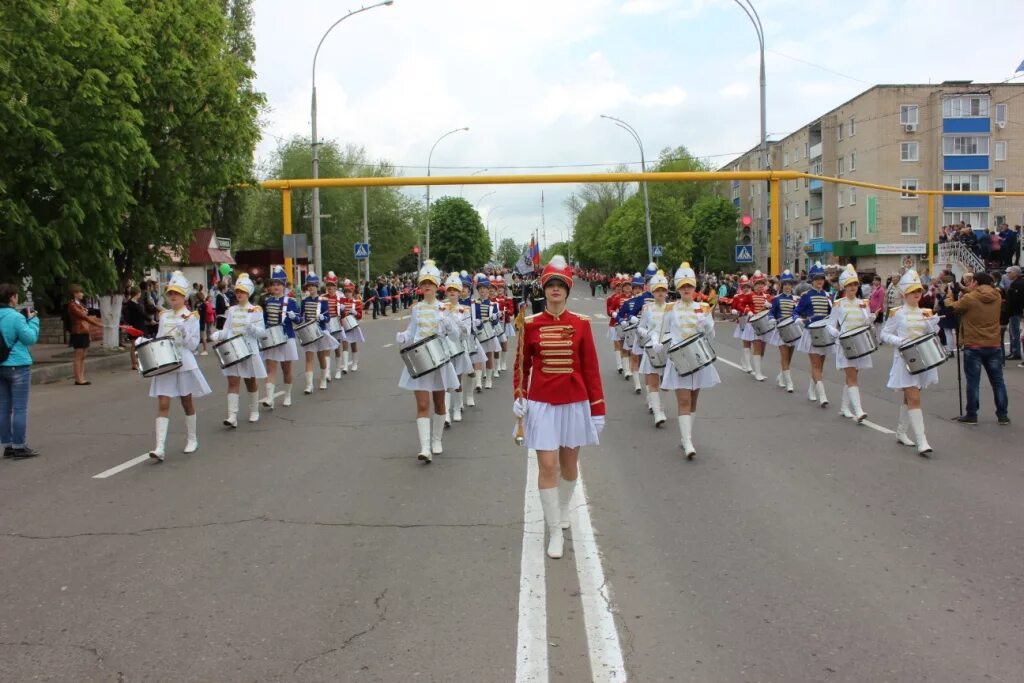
(746, 221)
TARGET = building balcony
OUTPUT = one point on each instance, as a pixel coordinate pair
(815, 151)
(815, 185)
(976, 124)
(815, 214)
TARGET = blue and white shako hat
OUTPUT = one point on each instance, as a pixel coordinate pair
(651, 271)
(312, 279)
(277, 274)
(816, 271)
(685, 275)
(787, 276)
(658, 281)
(848, 275)
(429, 273)
(910, 282)
(638, 280)
(482, 280)
(244, 284)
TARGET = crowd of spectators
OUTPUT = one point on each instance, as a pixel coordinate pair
(997, 249)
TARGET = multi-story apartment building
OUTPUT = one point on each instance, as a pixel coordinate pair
(956, 135)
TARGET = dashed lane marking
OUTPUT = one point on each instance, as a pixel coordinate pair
(532, 630)
(387, 346)
(600, 316)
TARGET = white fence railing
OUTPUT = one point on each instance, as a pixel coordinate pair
(956, 253)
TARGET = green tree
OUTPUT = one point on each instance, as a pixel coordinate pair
(714, 232)
(458, 239)
(509, 252)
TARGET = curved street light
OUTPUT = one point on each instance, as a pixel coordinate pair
(426, 250)
(643, 167)
(477, 204)
(313, 140)
(463, 187)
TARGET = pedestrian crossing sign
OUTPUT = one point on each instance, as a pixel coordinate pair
(744, 254)
(657, 251)
(361, 250)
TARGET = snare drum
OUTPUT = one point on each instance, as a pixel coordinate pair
(629, 334)
(349, 322)
(692, 354)
(308, 332)
(762, 322)
(335, 328)
(486, 332)
(454, 348)
(923, 353)
(425, 356)
(821, 337)
(158, 356)
(858, 342)
(657, 359)
(790, 330)
(232, 351)
(273, 337)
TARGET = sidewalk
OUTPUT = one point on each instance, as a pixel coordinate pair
(52, 362)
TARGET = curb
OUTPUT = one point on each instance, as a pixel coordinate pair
(56, 372)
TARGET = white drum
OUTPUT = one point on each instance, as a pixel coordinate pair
(790, 330)
(273, 337)
(334, 327)
(425, 356)
(657, 359)
(232, 351)
(349, 322)
(923, 353)
(158, 356)
(821, 337)
(692, 354)
(486, 332)
(454, 348)
(629, 334)
(858, 342)
(308, 332)
(762, 322)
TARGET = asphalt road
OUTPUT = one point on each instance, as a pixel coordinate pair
(313, 546)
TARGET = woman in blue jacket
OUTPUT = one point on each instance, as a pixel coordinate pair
(19, 332)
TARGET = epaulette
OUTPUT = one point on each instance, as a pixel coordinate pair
(530, 318)
(585, 318)
(195, 314)
(256, 309)
(892, 311)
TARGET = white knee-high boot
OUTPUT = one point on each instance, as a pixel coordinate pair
(192, 439)
(780, 379)
(488, 378)
(902, 426)
(269, 400)
(810, 391)
(788, 376)
(447, 409)
(637, 386)
(287, 400)
(844, 408)
(423, 431)
(327, 369)
(566, 487)
(254, 407)
(819, 389)
(916, 417)
(553, 521)
(748, 354)
(309, 383)
(345, 359)
(659, 414)
(337, 365)
(325, 374)
(438, 433)
(162, 423)
(686, 435)
(757, 368)
(232, 419)
(858, 412)
(355, 362)
(457, 408)
(618, 362)
(467, 392)
(478, 375)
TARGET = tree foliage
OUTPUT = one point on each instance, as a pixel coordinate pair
(458, 238)
(509, 252)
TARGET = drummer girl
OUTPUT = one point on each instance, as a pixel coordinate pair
(686, 319)
(740, 303)
(849, 313)
(353, 304)
(905, 323)
(652, 325)
(813, 306)
(314, 307)
(611, 307)
(246, 321)
(280, 309)
(425, 320)
(558, 395)
(759, 300)
(335, 309)
(459, 317)
(478, 357)
(182, 326)
(483, 310)
(782, 309)
(624, 354)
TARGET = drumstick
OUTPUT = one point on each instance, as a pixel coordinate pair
(520, 332)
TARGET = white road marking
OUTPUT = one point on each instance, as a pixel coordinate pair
(600, 316)
(122, 467)
(877, 427)
(532, 632)
(730, 363)
(387, 346)
(606, 663)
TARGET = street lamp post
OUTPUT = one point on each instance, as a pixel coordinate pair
(426, 250)
(643, 167)
(316, 144)
(755, 19)
(463, 187)
(485, 196)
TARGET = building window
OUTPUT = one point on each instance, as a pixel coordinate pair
(853, 161)
(1001, 115)
(839, 199)
(908, 225)
(908, 114)
(842, 230)
(839, 132)
(852, 126)
(960, 145)
(796, 209)
(807, 150)
(999, 185)
(785, 158)
(817, 232)
(1000, 151)
(807, 208)
(853, 230)
(908, 151)
(908, 185)
(975, 219)
(853, 196)
(965, 107)
(841, 166)
(785, 211)
(965, 182)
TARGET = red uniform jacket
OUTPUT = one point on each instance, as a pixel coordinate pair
(350, 302)
(332, 304)
(759, 302)
(558, 364)
(742, 303)
(611, 307)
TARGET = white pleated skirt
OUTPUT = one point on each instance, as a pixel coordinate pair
(548, 427)
(647, 369)
(862, 363)
(355, 336)
(324, 343)
(704, 378)
(612, 334)
(250, 368)
(442, 379)
(740, 327)
(491, 345)
(774, 339)
(804, 346)
(900, 377)
(478, 356)
(340, 336)
(510, 330)
(637, 350)
(463, 364)
(748, 333)
(282, 353)
(181, 383)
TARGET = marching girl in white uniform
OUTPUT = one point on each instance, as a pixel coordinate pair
(185, 383)
(905, 323)
(426, 320)
(459, 317)
(485, 309)
(477, 358)
(848, 313)
(782, 309)
(243, 319)
(314, 307)
(686, 319)
(280, 309)
(652, 324)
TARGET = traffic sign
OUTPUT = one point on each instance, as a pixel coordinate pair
(361, 250)
(744, 254)
(657, 251)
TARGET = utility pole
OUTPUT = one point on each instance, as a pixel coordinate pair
(366, 231)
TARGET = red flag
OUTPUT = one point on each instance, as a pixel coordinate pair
(534, 253)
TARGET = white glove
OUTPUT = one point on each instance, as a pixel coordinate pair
(141, 340)
(519, 407)
(322, 318)
(657, 347)
(292, 315)
(633, 320)
(598, 422)
(494, 317)
(401, 338)
(734, 311)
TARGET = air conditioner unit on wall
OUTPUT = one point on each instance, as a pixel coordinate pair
(1000, 124)
(910, 127)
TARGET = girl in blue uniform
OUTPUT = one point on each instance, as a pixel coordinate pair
(280, 309)
(813, 306)
(782, 309)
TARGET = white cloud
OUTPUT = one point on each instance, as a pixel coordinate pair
(734, 91)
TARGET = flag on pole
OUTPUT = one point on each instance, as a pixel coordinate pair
(534, 252)
(524, 265)
(1019, 68)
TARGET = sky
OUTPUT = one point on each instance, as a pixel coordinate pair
(531, 78)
